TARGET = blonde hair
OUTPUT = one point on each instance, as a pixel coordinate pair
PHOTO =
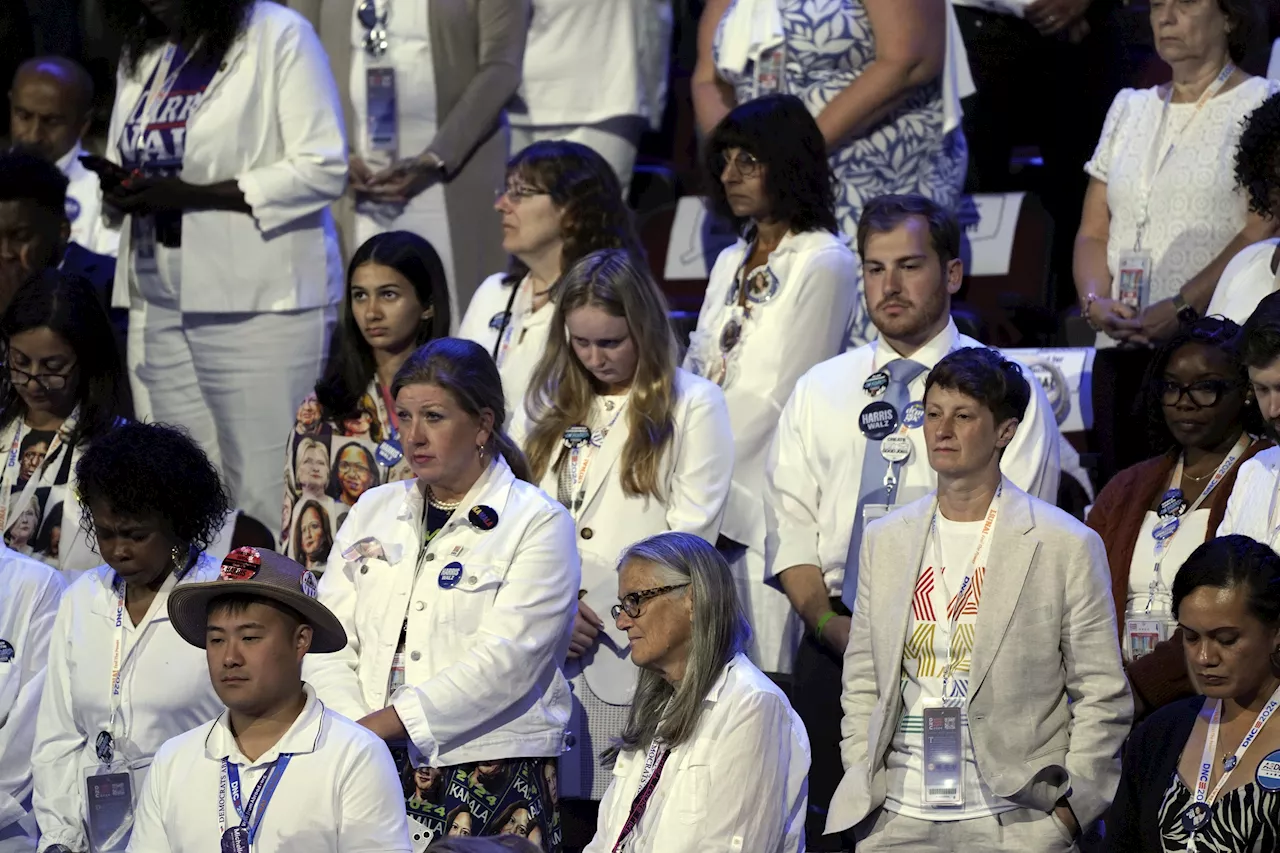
(562, 390)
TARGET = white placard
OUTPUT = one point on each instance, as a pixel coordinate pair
(990, 222)
(696, 239)
(1066, 374)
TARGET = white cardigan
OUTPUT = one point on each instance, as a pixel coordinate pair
(272, 121)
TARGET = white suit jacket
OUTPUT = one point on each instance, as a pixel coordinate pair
(1049, 705)
(696, 472)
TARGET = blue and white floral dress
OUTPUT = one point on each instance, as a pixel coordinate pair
(828, 44)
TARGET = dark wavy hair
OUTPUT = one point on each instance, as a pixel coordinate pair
(884, 213)
(1258, 158)
(779, 132)
(69, 306)
(1218, 333)
(986, 376)
(351, 368)
(594, 215)
(217, 22)
(1229, 561)
(145, 471)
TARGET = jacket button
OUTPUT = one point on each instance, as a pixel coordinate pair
(415, 656)
(364, 570)
(420, 605)
(587, 533)
(429, 557)
(471, 580)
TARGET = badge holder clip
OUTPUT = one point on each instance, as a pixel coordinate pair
(109, 805)
(943, 749)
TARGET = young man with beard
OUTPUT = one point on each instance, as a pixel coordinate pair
(278, 771)
(849, 445)
(1252, 508)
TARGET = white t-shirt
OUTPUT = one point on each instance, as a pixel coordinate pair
(924, 657)
(1248, 278)
(1195, 207)
(1192, 530)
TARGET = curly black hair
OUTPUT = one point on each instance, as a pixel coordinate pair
(1218, 333)
(154, 470)
(216, 22)
(1258, 158)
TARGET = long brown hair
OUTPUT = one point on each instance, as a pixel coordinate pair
(562, 389)
(466, 371)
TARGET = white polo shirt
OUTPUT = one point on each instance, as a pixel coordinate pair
(340, 792)
(814, 469)
(84, 206)
(28, 604)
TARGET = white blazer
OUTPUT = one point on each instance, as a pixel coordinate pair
(740, 783)
(482, 658)
(529, 332)
(270, 120)
(27, 609)
(696, 471)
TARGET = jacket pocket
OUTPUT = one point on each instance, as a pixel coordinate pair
(470, 601)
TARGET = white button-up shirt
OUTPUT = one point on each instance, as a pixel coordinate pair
(28, 605)
(339, 794)
(814, 469)
(84, 206)
(739, 784)
(164, 691)
(482, 657)
(1252, 507)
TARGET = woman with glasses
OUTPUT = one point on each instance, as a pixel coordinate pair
(66, 388)
(429, 84)
(1152, 515)
(777, 303)
(632, 445)
(560, 202)
(712, 756)
(397, 300)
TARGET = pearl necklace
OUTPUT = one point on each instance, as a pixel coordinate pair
(441, 505)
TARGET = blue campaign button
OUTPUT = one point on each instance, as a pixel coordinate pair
(1268, 775)
(1171, 503)
(913, 417)
(878, 420)
(450, 575)
(389, 453)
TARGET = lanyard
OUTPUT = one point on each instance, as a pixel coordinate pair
(265, 789)
(966, 590)
(1154, 165)
(388, 407)
(1211, 748)
(523, 311)
(161, 85)
(653, 764)
(580, 459)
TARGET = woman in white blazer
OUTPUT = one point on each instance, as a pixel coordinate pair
(562, 200)
(120, 680)
(634, 446)
(227, 116)
(456, 590)
(778, 302)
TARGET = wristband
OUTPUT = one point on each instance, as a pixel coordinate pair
(822, 623)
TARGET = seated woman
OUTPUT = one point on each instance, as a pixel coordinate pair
(66, 389)
(561, 201)
(712, 757)
(1152, 515)
(1205, 768)
(778, 302)
(153, 502)
(397, 300)
(1251, 274)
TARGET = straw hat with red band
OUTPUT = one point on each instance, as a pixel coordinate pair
(263, 574)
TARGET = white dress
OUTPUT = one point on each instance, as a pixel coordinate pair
(1195, 207)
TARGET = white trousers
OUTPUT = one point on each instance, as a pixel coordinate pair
(235, 382)
(616, 140)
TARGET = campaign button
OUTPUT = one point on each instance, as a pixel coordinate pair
(913, 417)
(1268, 775)
(878, 420)
(450, 575)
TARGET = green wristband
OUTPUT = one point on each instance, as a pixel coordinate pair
(822, 623)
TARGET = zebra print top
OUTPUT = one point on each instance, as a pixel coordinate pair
(1245, 820)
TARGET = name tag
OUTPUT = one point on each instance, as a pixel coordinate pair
(109, 809)
(380, 92)
(1134, 278)
(943, 756)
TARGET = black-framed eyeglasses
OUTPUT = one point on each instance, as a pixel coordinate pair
(748, 165)
(47, 381)
(631, 601)
(1202, 394)
(375, 39)
(517, 194)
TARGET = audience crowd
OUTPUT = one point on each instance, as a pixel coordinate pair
(542, 572)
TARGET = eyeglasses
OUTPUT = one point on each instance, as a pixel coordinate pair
(47, 381)
(1203, 394)
(746, 164)
(631, 601)
(516, 194)
(375, 40)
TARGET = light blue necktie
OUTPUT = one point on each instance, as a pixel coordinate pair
(872, 490)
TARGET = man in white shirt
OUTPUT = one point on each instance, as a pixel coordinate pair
(28, 604)
(828, 458)
(1252, 507)
(333, 784)
(50, 110)
(948, 744)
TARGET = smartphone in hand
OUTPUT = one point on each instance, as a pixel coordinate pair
(110, 174)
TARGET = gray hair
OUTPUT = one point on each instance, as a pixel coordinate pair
(720, 631)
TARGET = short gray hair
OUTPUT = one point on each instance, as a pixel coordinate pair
(720, 631)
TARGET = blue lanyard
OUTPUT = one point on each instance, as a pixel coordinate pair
(265, 789)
